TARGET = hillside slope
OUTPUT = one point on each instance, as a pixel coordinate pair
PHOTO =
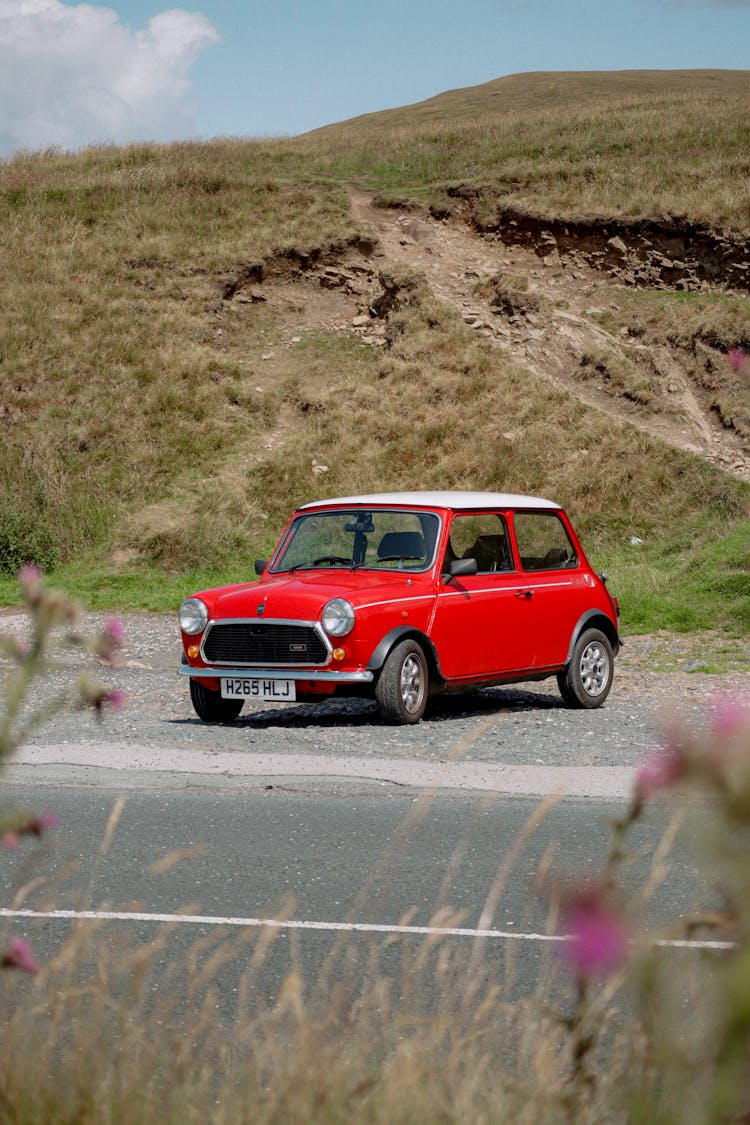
(197, 337)
(576, 327)
(626, 143)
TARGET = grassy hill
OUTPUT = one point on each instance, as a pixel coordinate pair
(178, 367)
(604, 142)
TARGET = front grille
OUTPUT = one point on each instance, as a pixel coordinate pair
(263, 643)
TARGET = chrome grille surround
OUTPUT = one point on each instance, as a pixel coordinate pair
(265, 643)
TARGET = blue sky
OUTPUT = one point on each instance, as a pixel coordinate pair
(72, 74)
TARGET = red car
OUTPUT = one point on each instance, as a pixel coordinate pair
(400, 596)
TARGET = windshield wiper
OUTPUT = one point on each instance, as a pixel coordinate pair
(333, 559)
(401, 558)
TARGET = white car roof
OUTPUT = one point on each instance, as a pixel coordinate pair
(453, 500)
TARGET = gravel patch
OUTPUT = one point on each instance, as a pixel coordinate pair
(519, 726)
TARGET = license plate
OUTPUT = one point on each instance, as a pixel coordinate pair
(280, 691)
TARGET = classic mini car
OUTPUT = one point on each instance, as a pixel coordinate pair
(400, 596)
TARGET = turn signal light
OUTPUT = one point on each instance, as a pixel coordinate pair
(193, 651)
(339, 654)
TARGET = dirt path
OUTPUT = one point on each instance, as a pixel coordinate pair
(554, 326)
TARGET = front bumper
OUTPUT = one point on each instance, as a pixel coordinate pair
(308, 674)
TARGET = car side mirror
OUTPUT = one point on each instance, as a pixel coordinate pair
(460, 567)
(260, 566)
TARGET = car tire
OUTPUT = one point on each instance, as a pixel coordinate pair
(403, 685)
(588, 677)
(210, 707)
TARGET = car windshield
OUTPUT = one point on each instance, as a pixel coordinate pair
(354, 538)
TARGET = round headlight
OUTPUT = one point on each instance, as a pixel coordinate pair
(338, 617)
(193, 616)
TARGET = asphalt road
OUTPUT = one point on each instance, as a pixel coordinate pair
(353, 871)
(325, 818)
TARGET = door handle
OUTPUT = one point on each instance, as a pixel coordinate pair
(527, 595)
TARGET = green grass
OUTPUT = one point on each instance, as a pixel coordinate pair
(685, 584)
(137, 587)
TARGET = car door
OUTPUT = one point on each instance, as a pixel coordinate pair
(480, 626)
(558, 588)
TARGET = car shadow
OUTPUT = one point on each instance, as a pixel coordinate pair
(363, 712)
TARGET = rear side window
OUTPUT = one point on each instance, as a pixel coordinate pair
(543, 542)
(482, 537)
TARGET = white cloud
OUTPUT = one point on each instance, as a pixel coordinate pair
(72, 75)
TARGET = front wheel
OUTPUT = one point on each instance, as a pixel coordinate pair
(210, 707)
(588, 677)
(401, 691)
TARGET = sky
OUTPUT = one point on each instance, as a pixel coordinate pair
(142, 70)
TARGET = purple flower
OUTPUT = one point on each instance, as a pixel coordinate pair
(730, 716)
(97, 696)
(661, 771)
(116, 700)
(30, 581)
(39, 824)
(18, 955)
(596, 937)
(115, 630)
(30, 576)
(34, 825)
(737, 359)
(110, 640)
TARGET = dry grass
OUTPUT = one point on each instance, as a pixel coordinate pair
(704, 327)
(229, 1029)
(114, 375)
(373, 1031)
(375, 423)
(132, 424)
(426, 1039)
(628, 143)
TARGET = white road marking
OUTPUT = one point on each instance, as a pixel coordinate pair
(353, 927)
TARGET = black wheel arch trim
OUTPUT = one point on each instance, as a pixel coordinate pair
(405, 633)
(595, 619)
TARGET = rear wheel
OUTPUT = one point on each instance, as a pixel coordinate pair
(209, 705)
(588, 677)
(401, 690)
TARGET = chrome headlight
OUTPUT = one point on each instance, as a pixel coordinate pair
(338, 617)
(193, 616)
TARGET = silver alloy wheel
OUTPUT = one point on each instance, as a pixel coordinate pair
(412, 683)
(595, 669)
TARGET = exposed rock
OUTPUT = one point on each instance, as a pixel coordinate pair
(399, 288)
(676, 248)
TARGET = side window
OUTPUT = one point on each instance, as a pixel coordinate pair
(543, 542)
(481, 537)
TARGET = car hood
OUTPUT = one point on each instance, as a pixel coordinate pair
(304, 594)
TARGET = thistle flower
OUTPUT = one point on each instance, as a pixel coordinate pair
(34, 825)
(110, 641)
(731, 715)
(18, 955)
(737, 359)
(596, 939)
(116, 700)
(660, 772)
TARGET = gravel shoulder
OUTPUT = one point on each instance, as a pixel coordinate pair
(520, 739)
